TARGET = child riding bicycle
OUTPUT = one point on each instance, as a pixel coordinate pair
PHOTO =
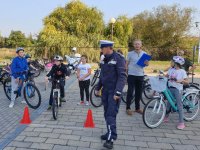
(58, 72)
(19, 68)
(177, 78)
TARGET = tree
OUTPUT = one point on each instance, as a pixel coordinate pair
(16, 39)
(73, 25)
(162, 29)
(2, 41)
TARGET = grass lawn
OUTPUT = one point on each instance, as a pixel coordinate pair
(162, 65)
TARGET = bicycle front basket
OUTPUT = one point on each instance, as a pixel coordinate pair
(157, 84)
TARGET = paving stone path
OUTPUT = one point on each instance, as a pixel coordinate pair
(67, 133)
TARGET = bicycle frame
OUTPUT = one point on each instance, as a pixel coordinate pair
(171, 99)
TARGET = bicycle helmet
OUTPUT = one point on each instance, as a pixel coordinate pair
(179, 60)
(58, 58)
(19, 49)
(74, 49)
(27, 56)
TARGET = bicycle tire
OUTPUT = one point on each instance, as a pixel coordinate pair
(124, 95)
(194, 86)
(145, 99)
(189, 104)
(146, 115)
(27, 95)
(93, 96)
(94, 79)
(55, 106)
(7, 88)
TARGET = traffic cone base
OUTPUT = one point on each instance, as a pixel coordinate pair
(26, 118)
(89, 123)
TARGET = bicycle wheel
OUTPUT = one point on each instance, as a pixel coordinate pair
(55, 106)
(193, 86)
(95, 99)
(32, 95)
(94, 79)
(147, 94)
(7, 88)
(191, 106)
(124, 95)
(154, 113)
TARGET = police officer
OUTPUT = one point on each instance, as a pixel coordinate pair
(19, 67)
(112, 80)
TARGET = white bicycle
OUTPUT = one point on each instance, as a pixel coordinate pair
(155, 110)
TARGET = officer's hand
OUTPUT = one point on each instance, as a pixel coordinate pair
(116, 97)
(98, 93)
(146, 62)
(67, 77)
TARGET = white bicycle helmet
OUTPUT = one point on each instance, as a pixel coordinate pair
(19, 49)
(59, 58)
(179, 60)
(74, 49)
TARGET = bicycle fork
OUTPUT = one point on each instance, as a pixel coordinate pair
(158, 107)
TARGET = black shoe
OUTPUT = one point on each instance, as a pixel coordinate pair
(104, 137)
(108, 145)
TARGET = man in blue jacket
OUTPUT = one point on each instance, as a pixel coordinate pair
(112, 80)
(19, 68)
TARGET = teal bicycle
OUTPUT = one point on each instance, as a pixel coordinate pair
(155, 110)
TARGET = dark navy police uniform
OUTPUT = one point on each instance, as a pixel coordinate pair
(112, 79)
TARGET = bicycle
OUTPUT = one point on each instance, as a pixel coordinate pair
(56, 96)
(147, 93)
(95, 77)
(31, 93)
(96, 100)
(192, 85)
(155, 110)
(3, 75)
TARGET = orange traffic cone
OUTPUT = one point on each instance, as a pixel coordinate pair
(89, 120)
(26, 118)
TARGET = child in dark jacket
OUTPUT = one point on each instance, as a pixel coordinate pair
(58, 72)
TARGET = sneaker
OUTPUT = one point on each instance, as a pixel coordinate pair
(108, 145)
(129, 112)
(11, 104)
(81, 103)
(181, 126)
(87, 103)
(23, 102)
(166, 119)
(140, 111)
(49, 108)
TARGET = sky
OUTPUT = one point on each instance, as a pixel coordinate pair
(27, 15)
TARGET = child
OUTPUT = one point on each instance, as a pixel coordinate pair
(177, 77)
(83, 75)
(58, 72)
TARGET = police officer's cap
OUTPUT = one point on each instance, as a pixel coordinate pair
(105, 43)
